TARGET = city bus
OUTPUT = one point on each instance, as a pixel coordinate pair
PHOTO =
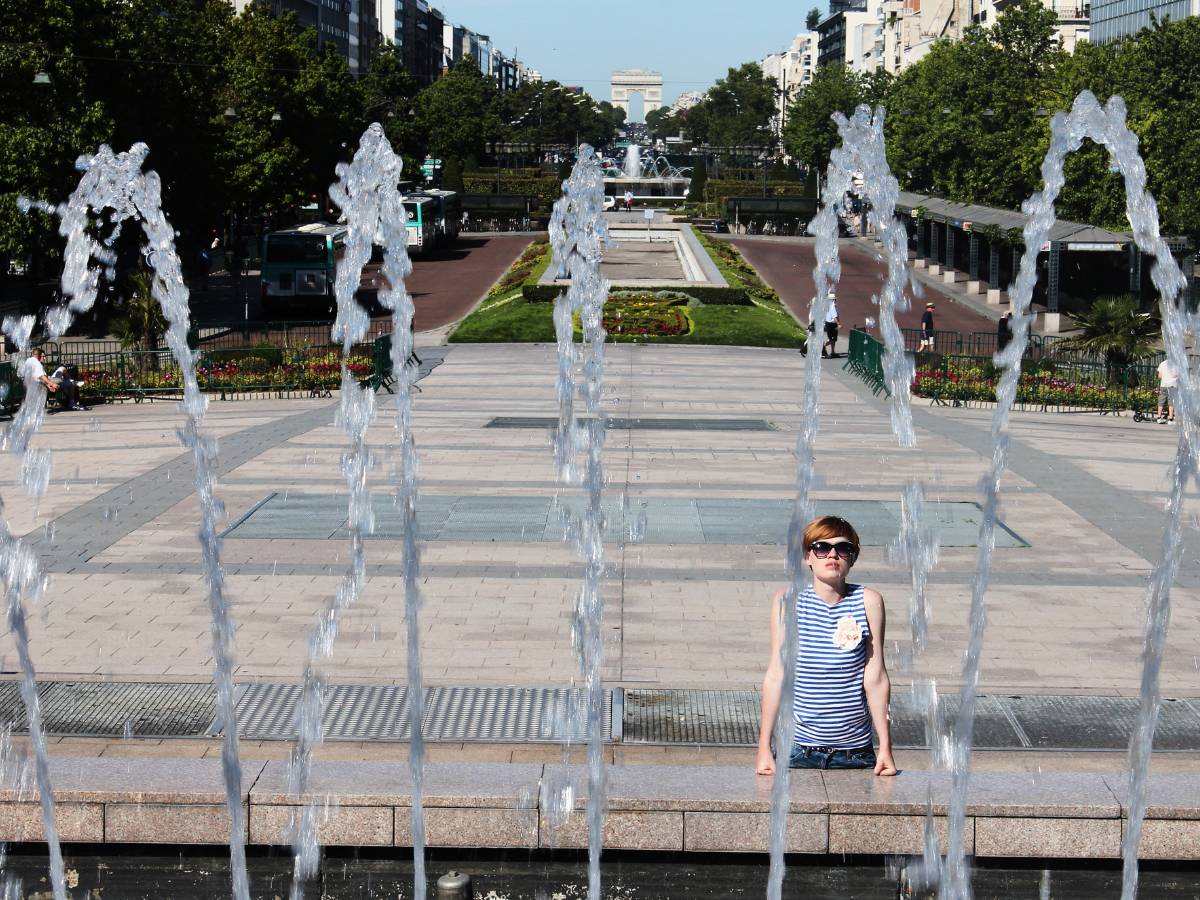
(299, 264)
(447, 211)
(422, 223)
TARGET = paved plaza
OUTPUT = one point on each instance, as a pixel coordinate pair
(1083, 512)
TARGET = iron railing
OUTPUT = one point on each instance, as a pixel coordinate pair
(1057, 380)
(253, 368)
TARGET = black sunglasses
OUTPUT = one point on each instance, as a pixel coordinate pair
(843, 549)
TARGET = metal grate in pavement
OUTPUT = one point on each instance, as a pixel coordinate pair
(993, 729)
(12, 707)
(621, 423)
(126, 708)
(352, 712)
(1100, 723)
(508, 714)
(718, 718)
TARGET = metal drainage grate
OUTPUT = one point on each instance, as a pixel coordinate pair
(620, 423)
(1001, 723)
(352, 712)
(1100, 723)
(107, 708)
(507, 714)
(12, 707)
(719, 718)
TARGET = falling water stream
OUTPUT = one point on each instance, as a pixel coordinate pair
(578, 234)
(372, 208)
(113, 187)
(862, 149)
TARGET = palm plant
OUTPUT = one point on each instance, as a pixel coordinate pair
(141, 320)
(1115, 329)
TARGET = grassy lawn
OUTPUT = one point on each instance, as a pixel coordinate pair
(505, 316)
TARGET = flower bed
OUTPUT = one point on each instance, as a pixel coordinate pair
(644, 313)
(310, 370)
(967, 380)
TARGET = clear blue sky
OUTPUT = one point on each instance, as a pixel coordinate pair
(692, 42)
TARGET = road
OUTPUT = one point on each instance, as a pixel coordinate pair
(445, 285)
(787, 266)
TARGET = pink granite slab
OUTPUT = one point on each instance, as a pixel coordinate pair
(696, 788)
(337, 826)
(1167, 796)
(1046, 795)
(167, 823)
(742, 832)
(1168, 838)
(1069, 838)
(859, 792)
(471, 827)
(460, 785)
(622, 830)
(136, 780)
(77, 822)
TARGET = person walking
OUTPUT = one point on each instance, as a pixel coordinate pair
(1004, 333)
(1168, 378)
(927, 330)
(832, 321)
(842, 689)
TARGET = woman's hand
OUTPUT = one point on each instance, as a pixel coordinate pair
(765, 764)
(884, 764)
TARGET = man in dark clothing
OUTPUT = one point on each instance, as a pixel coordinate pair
(926, 329)
(1004, 331)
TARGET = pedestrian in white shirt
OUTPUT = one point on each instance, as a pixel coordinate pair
(1168, 378)
(831, 327)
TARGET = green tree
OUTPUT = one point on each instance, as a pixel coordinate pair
(1157, 72)
(699, 180)
(1117, 330)
(739, 107)
(45, 128)
(389, 96)
(458, 113)
(810, 133)
(812, 19)
(962, 123)
(661, 123)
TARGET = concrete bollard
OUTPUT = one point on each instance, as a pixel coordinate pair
(454, 886)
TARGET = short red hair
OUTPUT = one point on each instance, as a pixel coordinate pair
(823, 528)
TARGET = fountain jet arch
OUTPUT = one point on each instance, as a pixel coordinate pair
(1106, 126)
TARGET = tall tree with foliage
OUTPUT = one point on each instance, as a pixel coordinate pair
(810, 133)
(389, 96)
(458, 113)
(737, 110)
(1157, 72)
(661, 123)
(45, 127)
(962, 123)
(812, 19)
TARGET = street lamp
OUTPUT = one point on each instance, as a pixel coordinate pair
(42, 77)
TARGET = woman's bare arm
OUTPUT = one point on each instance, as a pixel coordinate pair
(876, 683)
(772, 688)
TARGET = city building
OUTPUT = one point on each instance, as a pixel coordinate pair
(791, 70)
(1073, 24)
(1111, 20)
(687, 100)
(350, 26)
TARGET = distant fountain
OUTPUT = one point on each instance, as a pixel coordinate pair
(633, 162)
(645, 174)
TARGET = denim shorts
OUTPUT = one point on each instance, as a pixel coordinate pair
(829, 758)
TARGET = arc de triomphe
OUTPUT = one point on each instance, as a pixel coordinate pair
(637, 81)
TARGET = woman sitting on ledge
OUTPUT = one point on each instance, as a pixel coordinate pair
(842, 687)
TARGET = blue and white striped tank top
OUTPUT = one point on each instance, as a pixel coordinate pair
(829, 704)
